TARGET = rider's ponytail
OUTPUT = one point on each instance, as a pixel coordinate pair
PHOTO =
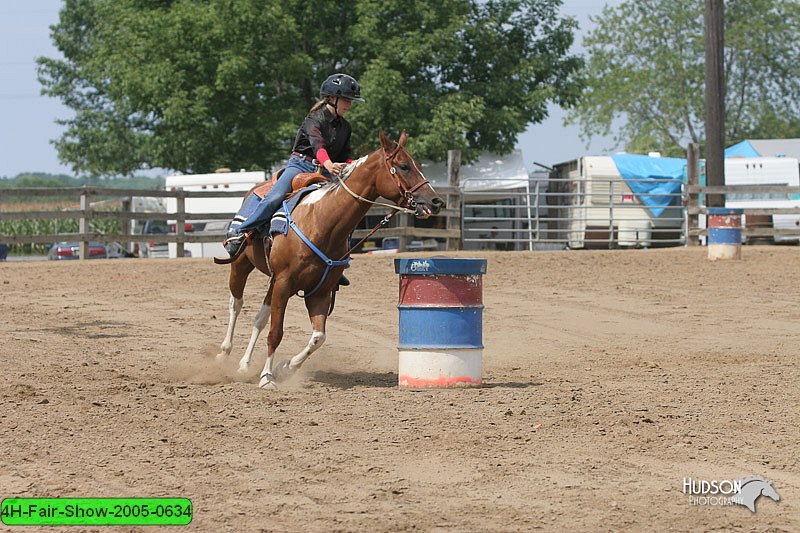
(318, 105)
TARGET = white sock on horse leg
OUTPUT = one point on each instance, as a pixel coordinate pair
(234, 308)
(260, 322)
(317, 339)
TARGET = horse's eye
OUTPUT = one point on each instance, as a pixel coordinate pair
(403, 167)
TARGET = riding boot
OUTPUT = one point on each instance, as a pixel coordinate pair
(343, 281)
(234, 243)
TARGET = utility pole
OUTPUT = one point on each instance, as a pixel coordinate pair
(715, 99)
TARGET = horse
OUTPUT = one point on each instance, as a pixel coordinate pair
(326, 218)
(752, 488)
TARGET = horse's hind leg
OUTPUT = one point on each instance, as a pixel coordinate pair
(262, 318)
(237, 279)
(318, 307)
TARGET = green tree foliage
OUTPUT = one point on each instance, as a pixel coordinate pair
(646, 70)
(43, 179)
(192, 85)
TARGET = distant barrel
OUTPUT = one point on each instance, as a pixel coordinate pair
(441, 322)
(724, 233)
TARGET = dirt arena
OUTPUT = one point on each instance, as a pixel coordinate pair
(609, 377)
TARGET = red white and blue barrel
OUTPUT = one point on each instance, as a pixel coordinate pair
(724, 233)
(441, 322)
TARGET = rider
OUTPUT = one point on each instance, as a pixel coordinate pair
(323, 140)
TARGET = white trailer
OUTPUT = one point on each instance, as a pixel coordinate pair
(218, 181)
(781, 171)
(601, 208)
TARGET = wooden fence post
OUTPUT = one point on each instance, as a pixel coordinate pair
(83, 224)
(180, 220)
(693, 204)
(715, 99)
(125, 225)
(454, 198)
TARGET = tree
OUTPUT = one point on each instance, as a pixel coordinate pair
(645, 69)
(192, 85)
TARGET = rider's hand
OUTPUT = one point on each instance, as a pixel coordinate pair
(334, 168)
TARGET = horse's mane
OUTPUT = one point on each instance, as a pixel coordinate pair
(745, 480)
(352, 166)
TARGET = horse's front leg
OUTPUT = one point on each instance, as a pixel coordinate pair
(258, 326)
(280, 298)
(318, 307)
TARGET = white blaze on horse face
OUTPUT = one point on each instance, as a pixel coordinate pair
(317, 339)
(234, 308)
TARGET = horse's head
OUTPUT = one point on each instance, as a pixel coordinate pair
(406, 185)
(769, 491)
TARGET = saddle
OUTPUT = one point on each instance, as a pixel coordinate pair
(299, 182)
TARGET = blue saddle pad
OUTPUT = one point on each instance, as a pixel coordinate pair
(279, 224)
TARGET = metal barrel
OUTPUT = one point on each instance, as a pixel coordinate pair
(441, 322)
(724, 233)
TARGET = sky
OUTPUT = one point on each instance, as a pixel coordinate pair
(28, 120)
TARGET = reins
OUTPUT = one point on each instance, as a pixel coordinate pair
(407, 193)
(383, 222)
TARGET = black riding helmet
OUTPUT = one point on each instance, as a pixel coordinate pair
(341, 86)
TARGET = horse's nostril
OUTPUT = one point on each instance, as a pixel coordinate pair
(437, 203)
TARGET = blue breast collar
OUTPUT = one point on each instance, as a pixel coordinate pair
(329, 263)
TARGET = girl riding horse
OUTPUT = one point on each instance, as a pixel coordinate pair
(323, 140)
(311, 255)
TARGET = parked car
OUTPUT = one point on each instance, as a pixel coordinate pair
(151, 247)
(115, 250)
(71, 250)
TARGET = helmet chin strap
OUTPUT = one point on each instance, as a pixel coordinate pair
(336, 107)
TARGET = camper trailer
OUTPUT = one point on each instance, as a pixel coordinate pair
(218, 181)
(593, 206)
(500, 207)
(781, 171)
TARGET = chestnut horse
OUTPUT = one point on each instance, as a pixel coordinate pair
(326, 217)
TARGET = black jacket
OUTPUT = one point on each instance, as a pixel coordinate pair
(321, 129)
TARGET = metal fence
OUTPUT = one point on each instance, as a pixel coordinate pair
(559, 213)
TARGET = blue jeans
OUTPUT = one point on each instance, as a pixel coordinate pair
(273, 201)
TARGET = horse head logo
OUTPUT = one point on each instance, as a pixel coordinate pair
(752, 488)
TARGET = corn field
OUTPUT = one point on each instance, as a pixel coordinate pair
(49, 227)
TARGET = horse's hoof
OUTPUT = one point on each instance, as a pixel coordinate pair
(283, 371)
(244, 368)
(267, 382)
(221, 356)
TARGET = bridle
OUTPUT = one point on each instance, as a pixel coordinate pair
(407, 193)
(410, 206)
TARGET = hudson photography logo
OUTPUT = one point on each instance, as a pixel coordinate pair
(744, 491)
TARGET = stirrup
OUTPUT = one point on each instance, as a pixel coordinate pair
(235, 243)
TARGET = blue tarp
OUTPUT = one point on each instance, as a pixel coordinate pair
(634, 167)
(742, 149)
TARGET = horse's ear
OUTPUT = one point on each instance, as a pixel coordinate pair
(403, 139)
(386, 143)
